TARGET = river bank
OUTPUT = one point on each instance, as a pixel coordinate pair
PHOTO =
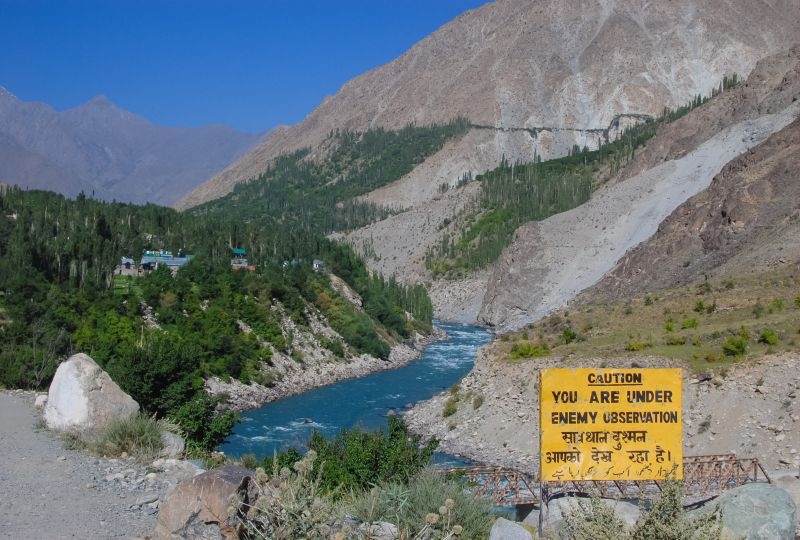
(317, 371)
(753, 410)
(363, 402)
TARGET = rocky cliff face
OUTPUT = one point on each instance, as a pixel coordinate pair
(102, 149)
(744, 220)
(515, 65)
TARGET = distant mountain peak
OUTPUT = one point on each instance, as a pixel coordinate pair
(101, 100)
(4, 93)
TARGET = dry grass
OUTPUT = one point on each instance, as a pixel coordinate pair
(692, 323)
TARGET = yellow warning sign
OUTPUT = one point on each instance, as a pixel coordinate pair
(610, 424)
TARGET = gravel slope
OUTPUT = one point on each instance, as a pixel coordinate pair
(48, 492)
(553, 260)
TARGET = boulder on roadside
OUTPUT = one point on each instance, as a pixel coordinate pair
(758, 512)
(504, 529)
(83, 397)
(198, 508)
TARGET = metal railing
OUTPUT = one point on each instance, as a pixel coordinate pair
(703, 477)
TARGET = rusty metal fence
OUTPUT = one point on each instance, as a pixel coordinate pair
(703, 477)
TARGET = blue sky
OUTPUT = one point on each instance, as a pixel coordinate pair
(251, 64)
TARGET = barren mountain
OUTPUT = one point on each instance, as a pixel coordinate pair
(514, 66)
(682, 229)
(102, 149)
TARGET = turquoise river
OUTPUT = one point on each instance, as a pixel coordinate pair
(364, 401)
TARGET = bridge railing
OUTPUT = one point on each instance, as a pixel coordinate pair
(703, 477)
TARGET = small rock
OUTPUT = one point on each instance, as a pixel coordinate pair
(41, 402)
(62, 458)
(147, 499)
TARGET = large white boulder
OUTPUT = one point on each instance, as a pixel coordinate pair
(83, 397)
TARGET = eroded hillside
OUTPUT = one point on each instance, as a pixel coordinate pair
(513, 67)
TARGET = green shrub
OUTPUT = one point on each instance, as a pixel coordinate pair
(735, 346)
(669, 326)
(429, 506)
(593, 519)
(768, 337)
(666, 519)
(139, 436)
(357, 459)
(289, 505)
(204, 426)
(648, 301)
(450, 407)
(529, 350)
(699, 306)
(676, 340)
(758, 309)
(689, 323)
(568, 336)
(635, 345)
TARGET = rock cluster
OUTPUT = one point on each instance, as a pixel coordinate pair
(145, 486)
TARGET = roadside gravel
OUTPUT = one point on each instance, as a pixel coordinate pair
(47, 491)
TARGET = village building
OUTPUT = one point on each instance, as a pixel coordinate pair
(239, 260)
(153, 259)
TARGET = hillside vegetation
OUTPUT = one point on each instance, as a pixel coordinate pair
(709, 324)
(319, 193)
(160, 335)
(514, 194)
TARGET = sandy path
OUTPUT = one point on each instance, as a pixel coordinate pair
(48, 492)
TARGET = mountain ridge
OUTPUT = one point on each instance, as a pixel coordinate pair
(102, 149)
(518, 63)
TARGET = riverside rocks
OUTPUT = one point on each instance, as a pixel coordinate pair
(83, 397)
(315, 372)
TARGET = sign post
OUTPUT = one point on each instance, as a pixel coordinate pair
(610, 424)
